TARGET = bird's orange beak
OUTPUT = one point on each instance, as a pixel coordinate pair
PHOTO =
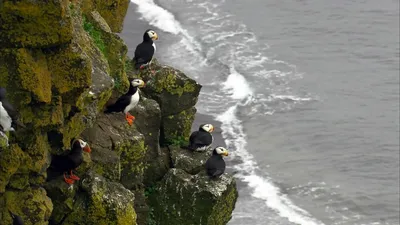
(87, 149)
(225, 154)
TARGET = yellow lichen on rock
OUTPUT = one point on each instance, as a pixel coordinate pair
(34, 23)
(32, 205)
(34, 74)
(10, 160)
(71, 69)
(113, 11)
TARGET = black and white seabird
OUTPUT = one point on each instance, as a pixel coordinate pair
(70, 161)
(127, 101)
(200, 140)
(144, 52)
(8, 115)
(215, 165)
(17, 220)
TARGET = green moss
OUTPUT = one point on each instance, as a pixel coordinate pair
(42, 115)
(176, 128)
(38, 151)
(3, 142)
(71, 71)
(133, 163)
(211, 203)
(19, 181)
(32, 205)
(103, 99)
(95, 35)
(34, 23)
(34, 74)
(102, 202)
(222, 210)
(128, 65)
(73, 129)
(113, 11)
(112, 47)
(167, 82)
(10, 160)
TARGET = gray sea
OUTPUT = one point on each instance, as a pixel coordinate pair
(307, 94)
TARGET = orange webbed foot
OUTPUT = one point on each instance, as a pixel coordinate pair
(130, 121)
(74, 177)
(68, 180)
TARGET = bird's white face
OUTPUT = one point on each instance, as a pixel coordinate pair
(152, 34)
(138, 83)
(222, 151)
(208, 127)
(84, 145)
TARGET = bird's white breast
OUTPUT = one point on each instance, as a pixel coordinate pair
(134, 101)
(5, 119)
(154, 46)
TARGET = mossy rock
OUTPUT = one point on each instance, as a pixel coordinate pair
(113, 11)
(31, 204)
(102, 203)
(34, 24)
(112, 47)
(118, 150)
(190, 161)
(176, 128)
(184, 199)
(158, 167)
(62, 195)
(11, 159)
(171, 88)
(26, 73)
(148, 123)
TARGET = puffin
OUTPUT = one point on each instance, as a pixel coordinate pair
(200, 140)
(144, 52)
(70, 161)
(215, 165)
(8, 115)
(17, 220)
(127, 101)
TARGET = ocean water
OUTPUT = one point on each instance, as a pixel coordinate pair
(308, 96)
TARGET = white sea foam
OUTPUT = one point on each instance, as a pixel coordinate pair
(234, 92)
(237, 85)
(165, 20)
(263, 188)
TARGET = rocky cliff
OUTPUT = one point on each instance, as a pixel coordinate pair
(61, 63)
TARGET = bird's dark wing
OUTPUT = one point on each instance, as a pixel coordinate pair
(119, 105)
(193, 137)
(200, 138)
(215, 166)
(205, 138)
(60, 163)
(143, 54)
(217, 173)
(10, 110)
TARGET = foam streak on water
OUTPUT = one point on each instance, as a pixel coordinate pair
(232, 92)
(263, 188)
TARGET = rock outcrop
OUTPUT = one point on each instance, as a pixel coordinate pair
(181, 198)
(61, 63)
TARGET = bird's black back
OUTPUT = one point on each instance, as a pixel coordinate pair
(215, 165)
(143, 53)
(200, 139)
(67, 162)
